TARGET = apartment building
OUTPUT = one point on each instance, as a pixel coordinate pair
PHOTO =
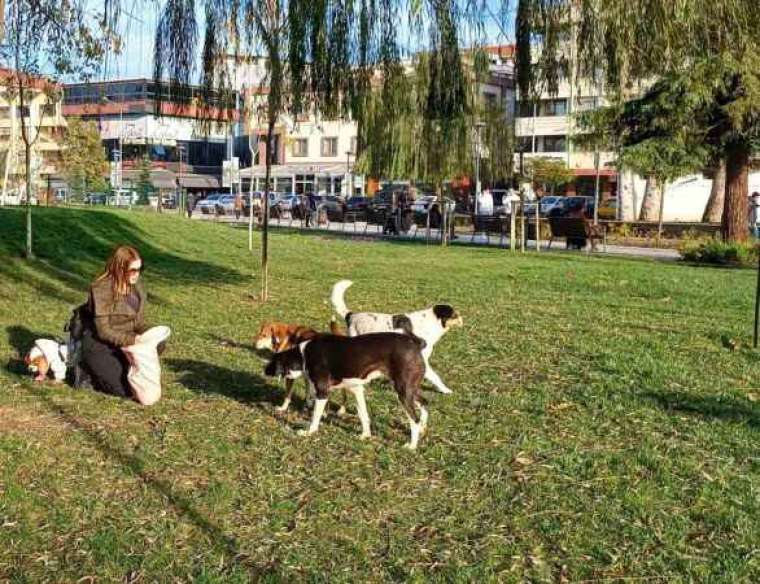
(314, 154)
(46, 125)
(138, 118)
(546, 126)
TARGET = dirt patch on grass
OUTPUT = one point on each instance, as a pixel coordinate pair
(25, 421)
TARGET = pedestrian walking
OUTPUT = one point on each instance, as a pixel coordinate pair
(238, 206)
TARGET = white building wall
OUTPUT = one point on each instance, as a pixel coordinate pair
(163, 130)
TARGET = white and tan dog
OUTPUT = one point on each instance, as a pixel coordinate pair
(47, 356)
(429, 324)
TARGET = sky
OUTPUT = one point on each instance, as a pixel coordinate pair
(141, 18)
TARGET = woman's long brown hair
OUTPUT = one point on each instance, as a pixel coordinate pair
(117, 268)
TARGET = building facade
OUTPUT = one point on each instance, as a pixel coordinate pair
(43, 117)
(139, 118)
(546, 126)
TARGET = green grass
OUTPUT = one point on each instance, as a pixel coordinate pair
(599, 430)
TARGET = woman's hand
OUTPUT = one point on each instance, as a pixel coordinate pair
(130, 358)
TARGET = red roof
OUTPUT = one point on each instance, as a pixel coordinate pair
(38, 82)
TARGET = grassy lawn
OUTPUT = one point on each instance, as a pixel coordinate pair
(599, 430)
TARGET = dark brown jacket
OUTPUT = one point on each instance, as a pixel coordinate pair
(116, 322)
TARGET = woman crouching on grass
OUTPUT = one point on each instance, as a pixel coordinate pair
(117, 306)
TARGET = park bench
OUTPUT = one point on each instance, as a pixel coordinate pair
(490, 225)
(577, 228)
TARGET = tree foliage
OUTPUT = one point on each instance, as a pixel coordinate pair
(702, 54)
(548, 172)
(145, 188)
(49, 38)
(84, 160)
(323, 58)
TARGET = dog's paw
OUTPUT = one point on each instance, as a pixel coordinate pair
(444, 390)
(281, 409)
(341, 411)
(365, 437)
(39, 378)
(410, 446)
(304, 432)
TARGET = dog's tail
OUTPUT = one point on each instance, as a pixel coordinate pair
(337, 300)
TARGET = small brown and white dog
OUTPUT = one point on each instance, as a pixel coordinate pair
(329, 362)
(278, 337)
(47, 356)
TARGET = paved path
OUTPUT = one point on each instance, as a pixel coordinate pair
(361, 229)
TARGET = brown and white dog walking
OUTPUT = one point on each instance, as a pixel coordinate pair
(279, 337)
(329, 362)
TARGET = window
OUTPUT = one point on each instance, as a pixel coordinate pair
(554, 144)
(554, 107)
(524, 109)
(584, 104)
(525, 144)
(329, 146)
(5, 113)
(353, 147)
(490, 100)
(300, 147)
(49, 110)
(22, 112)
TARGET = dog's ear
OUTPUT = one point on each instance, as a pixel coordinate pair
(444, 313)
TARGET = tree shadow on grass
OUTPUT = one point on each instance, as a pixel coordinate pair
(72, 246)
(706, 406)
(243, 386)
(179, 503)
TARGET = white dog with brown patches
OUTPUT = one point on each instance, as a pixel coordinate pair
(429, 324)
(47, 356)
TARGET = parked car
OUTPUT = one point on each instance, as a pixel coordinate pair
(169, 201)
(357, 203)
(96, 199)
(422, 204)
(207, 206)
(548, 203)
(287, 202)
(225, 205)
(334, 206)
(608, 209)
(569, 204)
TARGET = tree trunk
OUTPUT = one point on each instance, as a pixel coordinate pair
(714, 208)
(652, 198)
(265, 224)
(734, 224)
(627, 203)
(28, 164)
